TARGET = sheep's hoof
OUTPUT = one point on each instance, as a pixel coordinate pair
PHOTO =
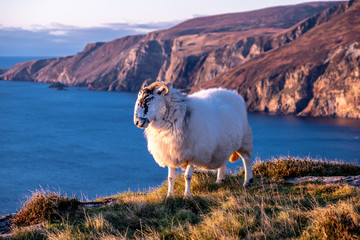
(188, 196)
(218, 181)
(248, 183)
(169, 195)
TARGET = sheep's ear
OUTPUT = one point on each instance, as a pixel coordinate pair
(161, 90)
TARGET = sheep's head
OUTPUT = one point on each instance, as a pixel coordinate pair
(150, 104)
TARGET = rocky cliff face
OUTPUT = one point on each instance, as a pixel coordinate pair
(242, 51)
(336, 92)
(194, 51)
(315, 75)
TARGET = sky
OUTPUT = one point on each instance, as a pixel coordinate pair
(64, 27)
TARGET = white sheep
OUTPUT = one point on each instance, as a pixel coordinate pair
(201, 130)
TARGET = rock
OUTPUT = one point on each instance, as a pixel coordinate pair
(350, 180)
(1, 72)
(5, 224)
(58, 86)
(315, 75)
(104, 202)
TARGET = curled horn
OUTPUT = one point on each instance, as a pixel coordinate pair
(161, 84)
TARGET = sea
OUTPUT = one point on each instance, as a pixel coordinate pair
(84, 144)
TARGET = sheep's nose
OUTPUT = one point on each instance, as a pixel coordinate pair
(141, 122)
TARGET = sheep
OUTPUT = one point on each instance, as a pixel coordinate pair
(202, 130)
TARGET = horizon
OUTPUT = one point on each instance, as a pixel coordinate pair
(49, 28)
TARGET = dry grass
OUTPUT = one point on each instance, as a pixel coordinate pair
(267, 210)
(335, 221)
(45, 206)
(293, 167)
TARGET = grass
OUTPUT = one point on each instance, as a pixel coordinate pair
(45, 206)
(270, 209)
(291, 167)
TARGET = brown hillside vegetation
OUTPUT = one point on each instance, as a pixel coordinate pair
(276, 17)
(185, 54)
(316, 75)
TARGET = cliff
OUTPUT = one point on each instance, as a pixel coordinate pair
(185, 54)
(316, 75)
(227, 50)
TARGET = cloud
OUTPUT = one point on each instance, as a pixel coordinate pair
(148, 27)
(55, 25)
(59, 40)
(58, 33)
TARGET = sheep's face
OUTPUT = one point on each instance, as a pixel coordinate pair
(150, 105)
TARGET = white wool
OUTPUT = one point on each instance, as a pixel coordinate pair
(202, 129)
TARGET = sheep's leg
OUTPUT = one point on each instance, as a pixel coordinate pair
(245, 153)
(221, 173)
(188, 175)
(246, 157)
(171, 181)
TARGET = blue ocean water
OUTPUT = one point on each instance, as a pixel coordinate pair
(84, 143)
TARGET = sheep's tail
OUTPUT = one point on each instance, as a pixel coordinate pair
(234, 157)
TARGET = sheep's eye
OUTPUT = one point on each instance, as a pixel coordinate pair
(147, 99)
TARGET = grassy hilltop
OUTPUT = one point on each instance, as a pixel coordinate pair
(272, 208)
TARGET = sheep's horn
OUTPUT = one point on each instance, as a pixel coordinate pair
(161, 84)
